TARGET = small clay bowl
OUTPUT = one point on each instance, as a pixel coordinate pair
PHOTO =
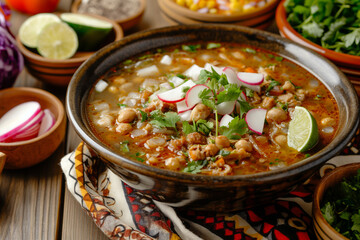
(59, 72)
(172, 6)
(126, 23)
(286, 30)
(27, 153)
(323, 229)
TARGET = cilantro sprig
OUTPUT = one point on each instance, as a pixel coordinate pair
(162, 120)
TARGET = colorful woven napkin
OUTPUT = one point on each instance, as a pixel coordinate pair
(124, 213)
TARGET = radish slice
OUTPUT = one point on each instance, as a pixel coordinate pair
(28, 134)
(148, 71)
(251, 78)
(37, 119)
(176, 81)
(182, 107)
(185, 116)
(176, 94)
(17, 117)
(255, 119)
(225, 107)
(225, 120)
(243, 97)
(47, 122)
(192, 96)
(208, 67)
(233, 78)
(193, 72)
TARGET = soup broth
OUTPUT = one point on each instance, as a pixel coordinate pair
(183, 108)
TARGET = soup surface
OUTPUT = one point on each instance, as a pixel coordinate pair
(187, 108)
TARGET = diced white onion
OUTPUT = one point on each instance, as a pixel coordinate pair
(166, 86)
(148, 71)
(155, 142)
(134, 95)
(101, 85)
(101, 106)
(328, 130)
(176, 81)
(193, 72)
(150, 84)
(166, 60)
(130, 102)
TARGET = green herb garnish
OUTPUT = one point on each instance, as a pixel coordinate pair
(124, 147)
(341, 206)
(237, 128)
(213, 45)
(191, 48)
(195, 166)
(162, 120)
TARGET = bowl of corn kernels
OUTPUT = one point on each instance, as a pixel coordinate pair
(251, 13)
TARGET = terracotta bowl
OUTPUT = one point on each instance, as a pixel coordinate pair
(323, 229)
(126, 23)
(172, 6)
(27, 153)
(256, 21)
(346, 61)
(216, 193)
(59, 72)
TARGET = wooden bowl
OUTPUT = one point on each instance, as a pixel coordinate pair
(172, 6)
(323, 229)
(126, 23)
(59, 72)
(175, 18)
(286, 30)
(24, 154)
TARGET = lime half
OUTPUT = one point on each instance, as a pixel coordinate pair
(57, 41)
(303, 130)
(91, 31)
(31, 28)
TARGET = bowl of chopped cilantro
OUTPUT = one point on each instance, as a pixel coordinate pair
(331, 28)
(336, 205)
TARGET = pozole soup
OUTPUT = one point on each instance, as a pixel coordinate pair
(212, 108)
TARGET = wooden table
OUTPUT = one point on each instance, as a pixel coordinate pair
(34, 202)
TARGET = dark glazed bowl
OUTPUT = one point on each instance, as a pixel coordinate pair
(211, 193)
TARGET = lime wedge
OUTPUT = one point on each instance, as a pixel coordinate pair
(303, 131)
(31, 28)
(91, 31)
(57, 41)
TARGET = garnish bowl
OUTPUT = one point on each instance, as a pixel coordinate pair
(323, 229)
(211, 193)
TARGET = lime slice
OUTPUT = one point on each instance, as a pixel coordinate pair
(31, 28)
(91, 31)
(303, 131)
(57, 41)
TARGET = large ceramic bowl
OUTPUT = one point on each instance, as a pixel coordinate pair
(219, 193)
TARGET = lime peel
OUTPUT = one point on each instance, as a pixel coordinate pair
(303, 132)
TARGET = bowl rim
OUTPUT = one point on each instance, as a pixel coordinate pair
(76, 4)
(134, 166)
(286, 30)
(51, 98)
(319, 191)
(219, 18)
(78, 57)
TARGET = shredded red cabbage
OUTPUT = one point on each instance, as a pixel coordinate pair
(11, 59)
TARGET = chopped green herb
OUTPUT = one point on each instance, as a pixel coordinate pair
(318, 97)
(195, 166)
(249, 50)
(237, 128)
(213, 45)
(144, 115)
(182, 76)
(191, 48)
(121, 105)
(201, 126)
(272, 84)
(341, 206)
(244, 107)
(124, 147)
(162, 120)
(127, 62)
(145, 56)
(224, 153)
(278, 58)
